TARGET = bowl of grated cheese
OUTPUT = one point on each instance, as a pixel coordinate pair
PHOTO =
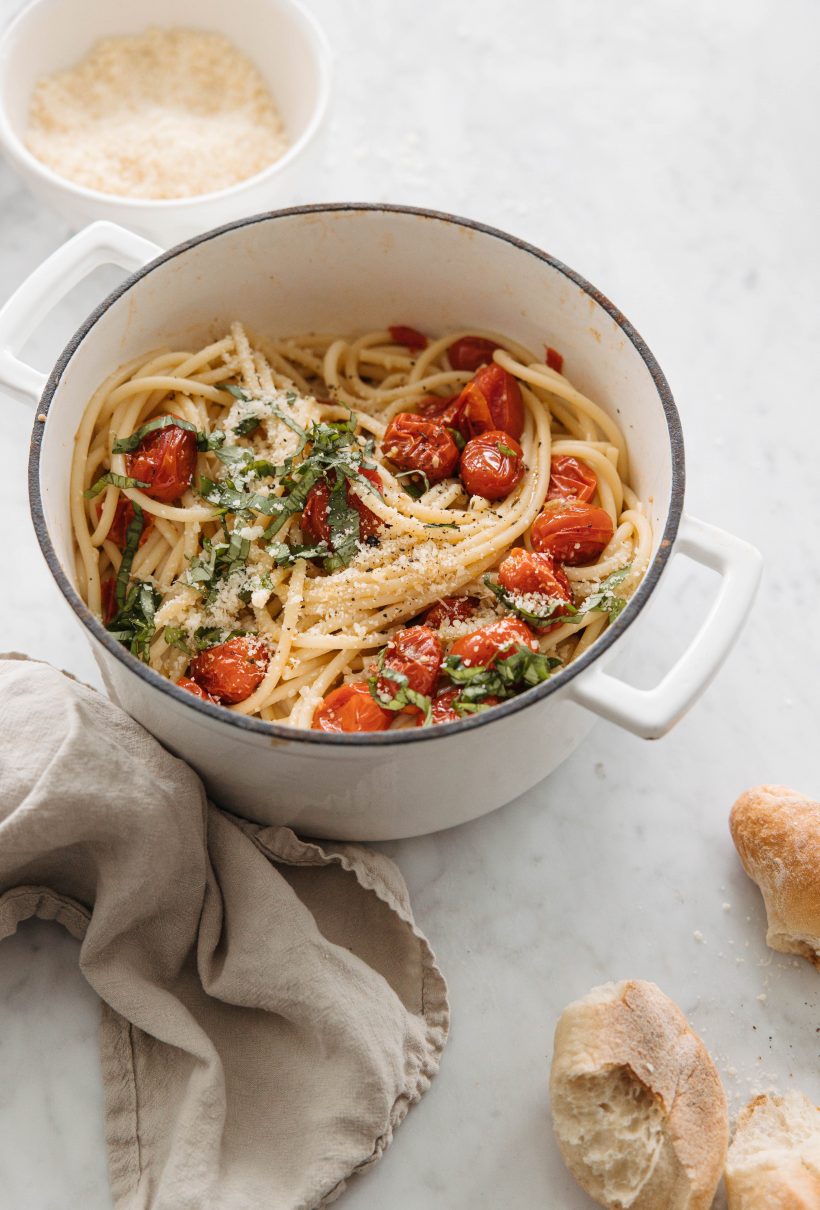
(130, 113)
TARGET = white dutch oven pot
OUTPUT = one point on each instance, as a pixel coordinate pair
(350, 268)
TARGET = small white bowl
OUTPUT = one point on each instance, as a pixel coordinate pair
(278, 36)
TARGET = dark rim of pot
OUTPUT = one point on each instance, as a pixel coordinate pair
(415, 735)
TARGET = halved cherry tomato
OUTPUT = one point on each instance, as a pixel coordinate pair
(165, 459)
(492, 464)
(572, 531)
(554, 359)
(185, 682)
(493, 642)
(123, 516)
(571, 480)
(528, 573)
(449, 610)
(231, 671)
(470, 352)
(351, 708)
(408, 337)
(417, 654)
(314, 515)
(109, 599)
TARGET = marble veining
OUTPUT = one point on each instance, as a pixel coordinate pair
(665, 152)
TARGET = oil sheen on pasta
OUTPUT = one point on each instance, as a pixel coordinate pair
(295, 568)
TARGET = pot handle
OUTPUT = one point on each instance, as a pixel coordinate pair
(650, 713)
(99, 244)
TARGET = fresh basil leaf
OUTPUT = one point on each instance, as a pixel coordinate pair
(505, 449)
(116, 481)
(175, 636)
(216, 562)
(508, 676)
(604, 599)
(344, 525)
(210, 636)
(204, 441)
(132, 540)
(417, 483)
(285, 556)
(133, 624)
(440, 525)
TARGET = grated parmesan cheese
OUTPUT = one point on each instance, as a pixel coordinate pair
(170, 113)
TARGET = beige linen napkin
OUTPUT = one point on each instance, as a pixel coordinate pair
(270, 1010)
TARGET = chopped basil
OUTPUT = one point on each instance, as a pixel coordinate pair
(285, 556)
(175, 637)
(116, 481)
(604, 600)
(133, 624)
(555, 606)
(132, 540)
(505, 449)
(246, 426)
(519, 670)
(404, 695)
(336, 458)
(457, 437)
(440, 525)
(204, 441)
(209, 636)
(417, 483)
(217, 562)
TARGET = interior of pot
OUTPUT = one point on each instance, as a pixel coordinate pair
(348, 270)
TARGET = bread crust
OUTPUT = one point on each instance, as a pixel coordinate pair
(774, 1159)
(777, 835)
(633, 1026)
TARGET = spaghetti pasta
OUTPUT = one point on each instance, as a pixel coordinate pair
(255, 487)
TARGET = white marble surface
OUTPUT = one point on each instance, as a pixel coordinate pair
(669, 153)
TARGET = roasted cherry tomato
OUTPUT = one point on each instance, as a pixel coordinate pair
(470, 352)
(443, 710)
(449, 610)
(417, 654)
(165, 459)
(408, 337)
(571, 480)
(554, 359)
(572, 531)
(351, 708)
(185, 682)
(492, 464)
(123, 516)
(530, 574)
(417, 444)
(503, 395)
(108, 590)
(434, 407)
(231, 671)
(494, 641)
(314, 516)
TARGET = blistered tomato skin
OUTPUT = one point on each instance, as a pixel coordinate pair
(165, 459)
(123, 516)
(571, 479)
(351, 708)
(503, 395)
(494, 641)
(417, 654)
(231, 671)
(414, 443)
(528, 573)
(492, 464)
(471, 352)
(314, 522)
(186, 682)
(572, 531)
(411, 338)
(449, 610)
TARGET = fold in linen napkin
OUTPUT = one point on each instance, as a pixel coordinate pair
(270, 1010)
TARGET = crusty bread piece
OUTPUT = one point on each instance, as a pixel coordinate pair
(637, 1105)
(774, 1159)
(777, 834)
